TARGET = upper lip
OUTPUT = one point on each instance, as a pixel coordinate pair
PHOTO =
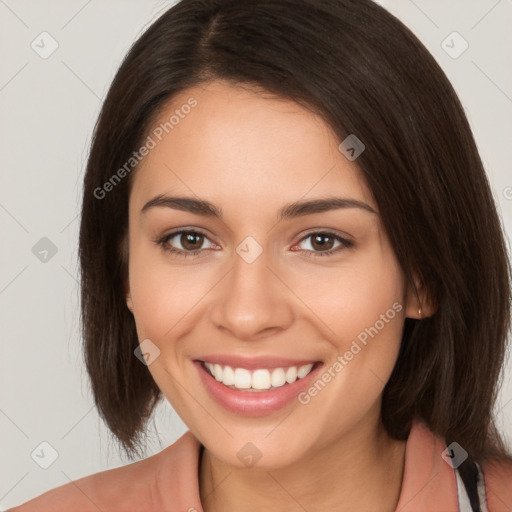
(255, 362)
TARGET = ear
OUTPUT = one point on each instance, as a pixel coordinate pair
(128, 295)
(418, 304)
(123, 250)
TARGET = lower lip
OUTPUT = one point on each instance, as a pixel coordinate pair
(254, 403)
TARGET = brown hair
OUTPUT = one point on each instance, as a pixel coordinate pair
(365, 73)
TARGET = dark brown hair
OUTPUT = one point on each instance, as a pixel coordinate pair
(365, 73)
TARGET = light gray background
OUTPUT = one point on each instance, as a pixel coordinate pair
(47, 111)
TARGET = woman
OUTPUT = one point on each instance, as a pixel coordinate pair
(288, 233)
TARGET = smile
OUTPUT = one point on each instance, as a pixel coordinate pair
(255, 386)
(260, 379)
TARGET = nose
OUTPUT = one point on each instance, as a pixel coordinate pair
(252, 301)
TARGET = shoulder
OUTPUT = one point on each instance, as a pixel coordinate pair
(149, 484)
(121, 489)
(498, 484)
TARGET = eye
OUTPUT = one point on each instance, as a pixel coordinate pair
(322, 243)
(191, 242)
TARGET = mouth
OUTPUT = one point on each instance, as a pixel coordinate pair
(259, 379)
(256, 387)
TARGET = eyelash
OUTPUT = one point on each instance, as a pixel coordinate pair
(162, 242)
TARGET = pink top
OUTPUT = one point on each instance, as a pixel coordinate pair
(168, 481)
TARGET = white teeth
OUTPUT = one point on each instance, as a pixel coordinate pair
(217, 372)
(260, 379)
(228, 377)
(278, 377)
(242, 378)
(304, 370)
(291, 374)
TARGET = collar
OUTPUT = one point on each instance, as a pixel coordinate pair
(429, 483)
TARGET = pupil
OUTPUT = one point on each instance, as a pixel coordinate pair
(321, 245)
(189, 240)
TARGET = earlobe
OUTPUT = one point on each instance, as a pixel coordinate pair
(129, 301)
(418, 304)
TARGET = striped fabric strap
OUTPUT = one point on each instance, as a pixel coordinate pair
(466, 487)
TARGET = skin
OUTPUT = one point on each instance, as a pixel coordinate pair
(251, 154)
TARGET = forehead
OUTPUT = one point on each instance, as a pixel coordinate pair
(230, 143)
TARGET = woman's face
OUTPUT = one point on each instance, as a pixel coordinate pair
(262, 292)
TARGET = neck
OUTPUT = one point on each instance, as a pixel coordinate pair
(361, 470)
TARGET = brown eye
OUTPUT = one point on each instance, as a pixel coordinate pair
(323, 244)
(191, 240)
(184, 243)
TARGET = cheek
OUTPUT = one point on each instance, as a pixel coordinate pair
(162, 294)
(163, 298)
(353, 297)
(360, 309)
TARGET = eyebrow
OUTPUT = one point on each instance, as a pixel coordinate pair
(289, 211)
